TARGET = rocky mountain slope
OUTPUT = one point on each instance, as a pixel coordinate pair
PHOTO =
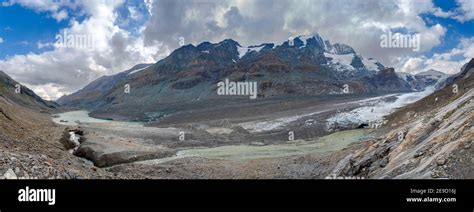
(188, 77)
(29, 140)
(95, 89)
(431, 138)
(25, 97)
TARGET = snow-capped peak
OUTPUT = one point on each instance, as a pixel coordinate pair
(305, 38)
(346, 62)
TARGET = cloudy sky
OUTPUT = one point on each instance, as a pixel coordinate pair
(125, 33)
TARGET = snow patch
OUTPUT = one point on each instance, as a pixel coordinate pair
(135, 71)
(370, 64)
(244, 50)
(342, 62)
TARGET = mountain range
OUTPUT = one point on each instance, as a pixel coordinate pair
(304, 66)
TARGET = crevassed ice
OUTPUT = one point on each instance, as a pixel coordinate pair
(376, 109)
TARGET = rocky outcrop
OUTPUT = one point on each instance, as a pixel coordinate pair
(96, 154)
(104, 152)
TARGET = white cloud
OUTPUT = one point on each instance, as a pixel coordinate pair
(42, 45)
(1, 40)
(445, 61)
(64, 70)
(449, 62)
(61, 15)
(53, 6)
(438, 12)
(149, 5)
(47, 91)
(413, 65)
(133, 13)
(466, 8)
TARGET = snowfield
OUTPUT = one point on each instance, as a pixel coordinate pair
(244, 50)
(342, 62)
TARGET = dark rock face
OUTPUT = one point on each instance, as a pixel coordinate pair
(357, 63)
(306, 67)
(388, 80)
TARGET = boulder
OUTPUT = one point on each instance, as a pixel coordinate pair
(440, 161)
(10, 175)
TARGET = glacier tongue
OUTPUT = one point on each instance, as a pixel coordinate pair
(374, 110)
